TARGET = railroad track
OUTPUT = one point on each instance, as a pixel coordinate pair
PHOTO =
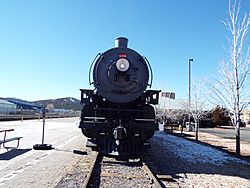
(109, 172)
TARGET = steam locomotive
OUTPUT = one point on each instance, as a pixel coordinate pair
(117, 116)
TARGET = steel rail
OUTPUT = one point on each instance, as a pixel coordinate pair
(156, 183)
(87, 181)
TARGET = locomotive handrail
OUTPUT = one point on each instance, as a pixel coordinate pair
(91, 66)
(151, 72)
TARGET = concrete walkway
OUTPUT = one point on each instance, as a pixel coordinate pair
(25, 167)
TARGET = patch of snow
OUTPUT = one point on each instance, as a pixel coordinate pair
(72, 99)
(161, 127)
(193, 152)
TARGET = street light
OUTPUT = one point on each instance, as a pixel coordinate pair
(189, 81)
(189, 89)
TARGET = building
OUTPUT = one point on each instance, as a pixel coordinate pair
(167, 101)
(7, 107)
(246, 116)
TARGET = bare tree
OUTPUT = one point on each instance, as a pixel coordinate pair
(199, 103)
(229, 87)
(50, 107)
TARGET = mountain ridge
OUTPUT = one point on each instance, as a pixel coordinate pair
(68, 103)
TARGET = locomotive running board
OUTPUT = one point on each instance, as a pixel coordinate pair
(151, 120)
(95, 118)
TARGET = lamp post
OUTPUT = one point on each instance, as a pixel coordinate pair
(189, 81)
(189, 88)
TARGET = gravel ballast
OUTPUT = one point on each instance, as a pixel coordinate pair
(191, 164)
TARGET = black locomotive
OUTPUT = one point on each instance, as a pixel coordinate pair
(117, 116)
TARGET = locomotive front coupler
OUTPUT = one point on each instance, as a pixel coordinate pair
(120, 132)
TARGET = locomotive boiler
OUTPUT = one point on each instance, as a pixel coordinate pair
(117, 115)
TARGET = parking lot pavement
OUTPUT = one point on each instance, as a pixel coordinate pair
(229, 132)
(25, 167)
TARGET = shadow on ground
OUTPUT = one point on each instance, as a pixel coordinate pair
(13, 153)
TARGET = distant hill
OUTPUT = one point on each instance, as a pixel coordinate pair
(18, 100)
(67, 103)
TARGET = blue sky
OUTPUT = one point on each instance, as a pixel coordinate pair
(46, 47)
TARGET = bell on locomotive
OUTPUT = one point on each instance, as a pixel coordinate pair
(117, 115)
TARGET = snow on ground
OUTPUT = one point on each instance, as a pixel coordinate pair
(193, 152)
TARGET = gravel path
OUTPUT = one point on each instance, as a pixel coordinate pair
(76, 177)
(196, 165)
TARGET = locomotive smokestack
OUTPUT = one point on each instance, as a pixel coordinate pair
(121, 42)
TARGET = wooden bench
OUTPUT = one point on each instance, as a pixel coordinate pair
(172, 126)
(5, 139)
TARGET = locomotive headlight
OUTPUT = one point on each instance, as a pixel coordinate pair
(122, 64)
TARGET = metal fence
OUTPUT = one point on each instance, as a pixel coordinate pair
(10, 117)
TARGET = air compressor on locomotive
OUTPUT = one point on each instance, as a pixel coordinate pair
(117, 115)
